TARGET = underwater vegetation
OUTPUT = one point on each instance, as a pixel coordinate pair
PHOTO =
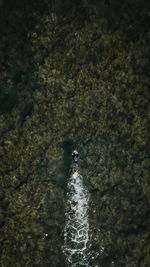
(74, 74)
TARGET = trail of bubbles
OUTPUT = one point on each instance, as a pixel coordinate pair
(76, 232)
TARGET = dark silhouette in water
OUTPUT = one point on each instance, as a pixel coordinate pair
(75, 157)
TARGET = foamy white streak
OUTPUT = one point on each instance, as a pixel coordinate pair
(77, 226)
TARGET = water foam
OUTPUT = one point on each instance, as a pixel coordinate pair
(76, 232)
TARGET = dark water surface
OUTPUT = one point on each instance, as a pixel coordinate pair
(74, 73)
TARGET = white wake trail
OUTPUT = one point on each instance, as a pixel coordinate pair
(76, 232)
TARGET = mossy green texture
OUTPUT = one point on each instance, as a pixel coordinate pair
(77, 76)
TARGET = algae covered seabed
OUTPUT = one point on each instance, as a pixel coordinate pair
(74, 74)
